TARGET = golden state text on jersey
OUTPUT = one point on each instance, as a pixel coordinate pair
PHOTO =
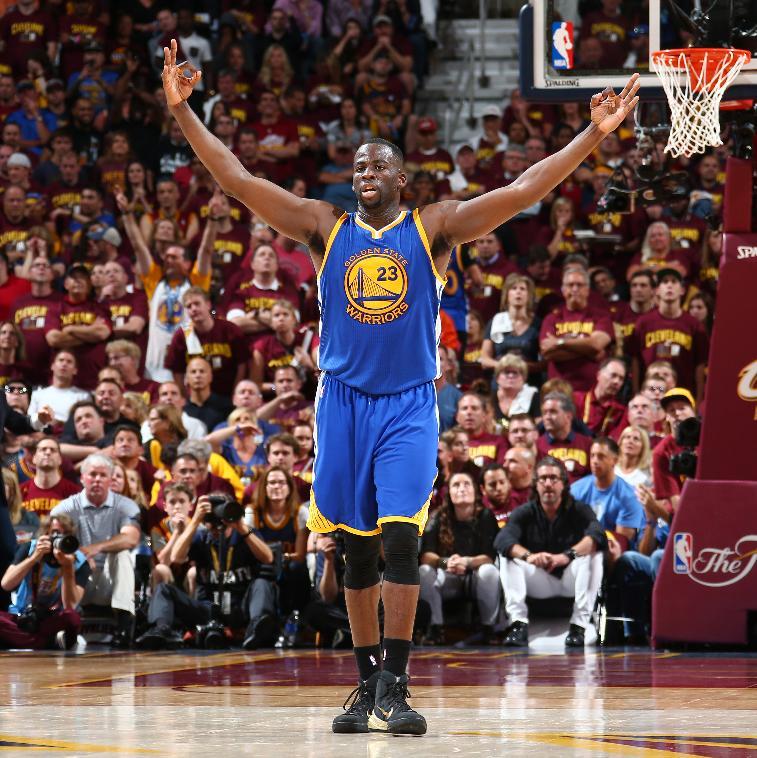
(379, 296)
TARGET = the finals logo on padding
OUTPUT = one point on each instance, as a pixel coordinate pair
(376, 286)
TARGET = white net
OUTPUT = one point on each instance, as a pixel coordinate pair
(694, 81)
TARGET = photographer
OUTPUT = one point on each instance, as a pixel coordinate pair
(233, 595)
(49, 575)
(327, 611)
(108, 528)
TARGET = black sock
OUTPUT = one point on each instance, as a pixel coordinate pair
(396, 654)
(368, 660)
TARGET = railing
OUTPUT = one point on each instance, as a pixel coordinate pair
(462, 91)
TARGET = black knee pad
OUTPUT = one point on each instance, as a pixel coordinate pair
(401, 548)
(361, 561)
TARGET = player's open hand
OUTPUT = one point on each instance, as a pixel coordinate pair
(608, 109)
(178, 80)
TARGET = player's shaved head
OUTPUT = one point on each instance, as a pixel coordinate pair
(396, 152)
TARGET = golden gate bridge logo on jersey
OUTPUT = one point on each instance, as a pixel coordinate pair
(714, 566)
(376, 286)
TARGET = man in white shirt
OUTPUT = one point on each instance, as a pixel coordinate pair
(61, 394)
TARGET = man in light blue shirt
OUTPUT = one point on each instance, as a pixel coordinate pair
(613, 500)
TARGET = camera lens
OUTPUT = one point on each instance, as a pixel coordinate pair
(66, 543)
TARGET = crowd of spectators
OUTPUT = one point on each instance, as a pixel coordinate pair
(163, 341)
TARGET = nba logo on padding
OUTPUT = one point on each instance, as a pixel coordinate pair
(562, 44)
(683, 551)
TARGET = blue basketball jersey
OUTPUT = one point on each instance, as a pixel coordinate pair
(454, 301)
(379, 295)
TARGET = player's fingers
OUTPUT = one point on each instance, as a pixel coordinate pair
(632, 104)
(166, 57)
(629, 84)
(634, 89)
(174, 48)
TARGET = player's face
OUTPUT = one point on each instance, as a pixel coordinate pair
(377, 177)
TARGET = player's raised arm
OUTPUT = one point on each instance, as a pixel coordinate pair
(305, 220)
(465, 221)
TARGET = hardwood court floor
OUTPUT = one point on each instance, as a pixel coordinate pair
(488, 702)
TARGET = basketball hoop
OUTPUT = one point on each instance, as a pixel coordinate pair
(694, 80)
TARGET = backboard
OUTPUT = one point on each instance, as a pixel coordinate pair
(551, 53)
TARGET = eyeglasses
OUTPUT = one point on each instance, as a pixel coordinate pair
(548, 479)
(655, 388)
(15, 389)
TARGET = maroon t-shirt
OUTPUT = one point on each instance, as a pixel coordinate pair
(573, 451)
(10, 292)
(384, 98)
(252, 299)
(29, 314)
(676, 255)
(682, 341)
(200, 205)
(275, 137)
(438, 163)
(487, 448)
(42, 501)
(229, 248)
(665, 482)
(81, 30)
(90, 358)
(628, 225)
(603, 418)
(580, 372)
(121, 309)
(494, 274)
(60, 195)
(275, 353)
(147, 388)
(12, 231)
(519, 496)
(613, 32)
(224, 346)
(24, 34)
(287, 418)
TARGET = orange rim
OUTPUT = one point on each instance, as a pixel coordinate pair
(703, 61)
(736, 105)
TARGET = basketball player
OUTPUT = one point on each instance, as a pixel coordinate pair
(380, 277)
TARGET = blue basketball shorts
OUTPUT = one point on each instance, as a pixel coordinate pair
(375, 457)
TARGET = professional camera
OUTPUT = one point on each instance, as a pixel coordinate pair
(224, 510)
(687, 436)
(66, 543)
(212, 636)
(653, 183)
(30, 618)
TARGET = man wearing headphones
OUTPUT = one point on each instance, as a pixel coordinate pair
(549, 545)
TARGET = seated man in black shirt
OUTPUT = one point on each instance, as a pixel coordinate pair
(203, 404)
(458, 546)
(228, 559)
(549, 544)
